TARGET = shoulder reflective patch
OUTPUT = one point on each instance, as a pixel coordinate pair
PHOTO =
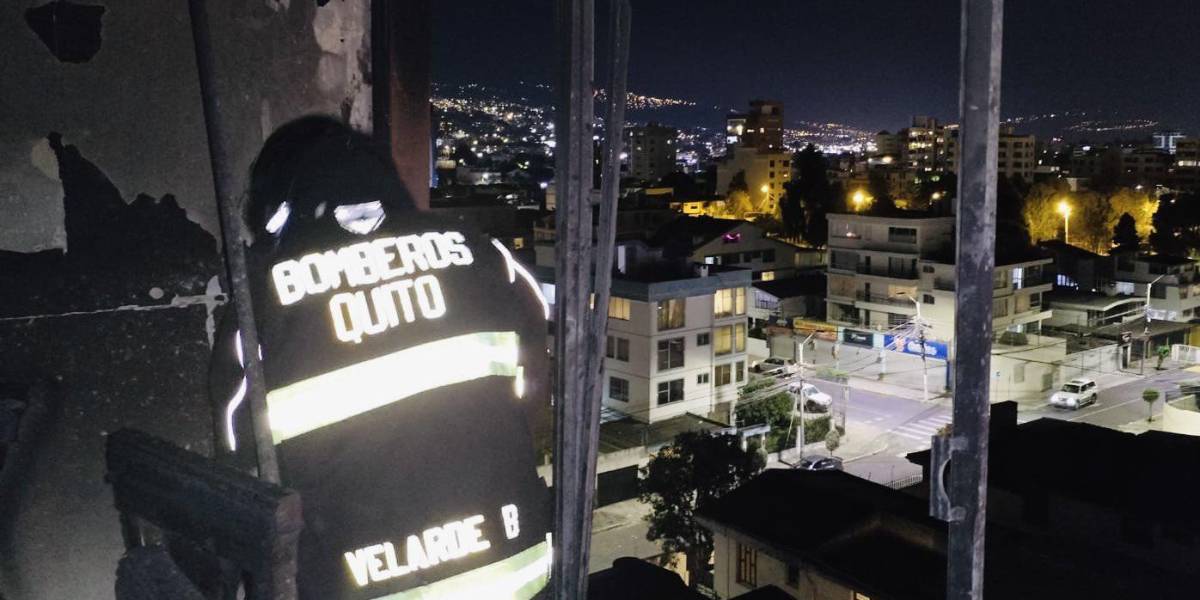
(518, 577)
(515, 268)
(331, 397)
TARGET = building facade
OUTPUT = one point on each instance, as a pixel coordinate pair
(1016, 154)
(883, 270)
(677, 344)
(1172, 281)
(650, 151)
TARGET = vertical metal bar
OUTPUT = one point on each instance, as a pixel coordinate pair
(401, 45)
(606, 232)
(573, 182)
(219, 153)
(979, 105)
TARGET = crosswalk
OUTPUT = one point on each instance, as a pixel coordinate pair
(921, 430)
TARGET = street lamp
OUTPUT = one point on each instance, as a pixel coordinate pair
(859, 198)
(1064, 209)
(1146, 331)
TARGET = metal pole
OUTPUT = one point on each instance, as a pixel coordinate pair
(219, 153)
(602, 259)
(979, 105)
(401, 42)
(573, 180)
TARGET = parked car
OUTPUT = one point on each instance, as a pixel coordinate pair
(820, 463)
(1075, 394)
(774, 366)
(814, 399)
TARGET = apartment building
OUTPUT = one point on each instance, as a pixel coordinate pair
(882, 270)
(650, 151)
(761, 128)
(1172, 280)
(676, 340)
(1016, 154)
(755, 148)
(734, 243)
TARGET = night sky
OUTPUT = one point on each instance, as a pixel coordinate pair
(870, 63)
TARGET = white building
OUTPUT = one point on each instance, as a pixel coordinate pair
(676, 341)
(882, 268)
(766, 172)
(1175, 293)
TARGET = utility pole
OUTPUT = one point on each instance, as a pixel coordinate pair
(974, 267)
(1146, 331)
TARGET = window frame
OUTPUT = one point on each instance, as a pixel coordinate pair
(669, 390)
(669, 350)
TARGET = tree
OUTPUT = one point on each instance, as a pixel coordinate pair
(1150, 395)
(1176, 225)
(883, 204)
(695, 469)
(737, 183)
(808, 197)
(739, 204)
(775, 411)
(1137, 204)
(1091, 227)
(1040, 210)
(833, 439)
(1125, 233)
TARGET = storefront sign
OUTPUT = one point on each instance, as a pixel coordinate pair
(932, 349)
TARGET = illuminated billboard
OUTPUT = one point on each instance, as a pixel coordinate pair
(406, 372)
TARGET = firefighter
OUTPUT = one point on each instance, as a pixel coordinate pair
(406, 368)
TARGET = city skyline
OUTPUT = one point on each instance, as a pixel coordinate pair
(830, 62)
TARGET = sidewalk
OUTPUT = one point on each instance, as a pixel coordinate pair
(904, 375)
(859, 441)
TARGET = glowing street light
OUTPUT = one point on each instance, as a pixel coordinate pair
(1064, 209)
(859, 198)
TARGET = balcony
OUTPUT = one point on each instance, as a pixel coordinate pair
(885, 272)
(901, 301)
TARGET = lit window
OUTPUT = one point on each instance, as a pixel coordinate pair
(729, 302)
(618, 308)
(723, 340)
(722, 375)
(670, 314)
(670, 391)
(739, 337)
(768, 275)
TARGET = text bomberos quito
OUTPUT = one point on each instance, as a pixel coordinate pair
(394, 265)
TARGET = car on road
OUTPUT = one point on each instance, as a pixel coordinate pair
(814, 399)
(1075, 394)
(774, 366)
(819, 463)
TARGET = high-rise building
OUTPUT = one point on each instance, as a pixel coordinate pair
(1167, 140)
(650, 151)
(1016, 154)
(756, 150)
(760, 128)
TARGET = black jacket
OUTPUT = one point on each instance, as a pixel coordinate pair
(442, 436)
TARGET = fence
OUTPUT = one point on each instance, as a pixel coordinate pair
(1186, 354)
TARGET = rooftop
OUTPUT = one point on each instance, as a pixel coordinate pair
(1164, 259)
(625, 433)
(804, 285)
